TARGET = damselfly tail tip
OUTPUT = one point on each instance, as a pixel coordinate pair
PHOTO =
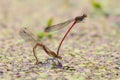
(59, 57)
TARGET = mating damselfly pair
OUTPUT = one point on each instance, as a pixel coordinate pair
(28, 36)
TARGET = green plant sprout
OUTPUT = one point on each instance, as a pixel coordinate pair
(42, 34)
(98, 7)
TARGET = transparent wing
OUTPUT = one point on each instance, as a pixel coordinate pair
(28, 36)
(58, 26)
(64, 24)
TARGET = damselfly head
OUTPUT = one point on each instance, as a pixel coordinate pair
(80, 18)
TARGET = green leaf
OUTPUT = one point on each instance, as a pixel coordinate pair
(96, 5)
(41, 35)
(50, 22)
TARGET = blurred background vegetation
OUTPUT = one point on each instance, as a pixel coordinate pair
(39, 14)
